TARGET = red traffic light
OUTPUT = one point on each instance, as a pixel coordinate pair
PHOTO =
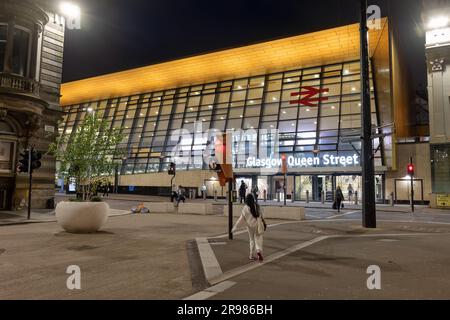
(411, 169)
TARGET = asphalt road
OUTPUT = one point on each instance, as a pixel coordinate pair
(331, 254)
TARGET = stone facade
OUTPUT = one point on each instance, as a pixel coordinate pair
(438, 60)
(31, 53)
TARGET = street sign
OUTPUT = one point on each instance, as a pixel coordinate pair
(443, 200)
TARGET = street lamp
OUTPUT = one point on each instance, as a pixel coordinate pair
(70, 10)
(438, 22)
(72, 13)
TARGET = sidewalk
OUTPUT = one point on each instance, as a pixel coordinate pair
(20, 217)
(311, 205)
(8, 218)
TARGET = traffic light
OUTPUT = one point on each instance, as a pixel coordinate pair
(172, 169)
(25, 158)
(23, 162)
(411, 169)
(36, 156)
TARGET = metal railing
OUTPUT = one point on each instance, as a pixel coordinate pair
(19, 83)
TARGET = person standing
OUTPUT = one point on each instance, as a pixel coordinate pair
(106, 189)
(339, 198)
(242, 191)
(350, 192)
(255, 192)
(181, 195)
(252, 217)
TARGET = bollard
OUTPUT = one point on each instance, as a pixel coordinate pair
(307, 196)
(392, 199)
(323, 197)
(356, 197)
(265, 195)
(293, 196)
(215, 195)
(279, 196)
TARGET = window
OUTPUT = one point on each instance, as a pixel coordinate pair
(6, 156)
(263, 102)
(3, 35)
(440, 168)
(20, 52)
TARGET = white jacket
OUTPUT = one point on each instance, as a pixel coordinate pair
(247, 219)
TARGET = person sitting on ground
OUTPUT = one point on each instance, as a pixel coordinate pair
(252, 217)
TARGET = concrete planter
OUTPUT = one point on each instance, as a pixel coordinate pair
(82, 217)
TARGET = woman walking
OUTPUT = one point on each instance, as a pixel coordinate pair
(252, 217)
(339, 199)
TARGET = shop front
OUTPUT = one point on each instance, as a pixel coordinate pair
(311, 187)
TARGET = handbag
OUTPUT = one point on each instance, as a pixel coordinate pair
(261, 225)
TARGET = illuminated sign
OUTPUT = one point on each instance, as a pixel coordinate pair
(308, 96)
(325, 160)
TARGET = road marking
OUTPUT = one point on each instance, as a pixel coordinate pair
(240, 270)
(343, 215)
(210, 264)
(313, 216)
(276, 256)
(211, 291)
(217, 243)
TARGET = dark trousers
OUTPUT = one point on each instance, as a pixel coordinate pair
(339, 204)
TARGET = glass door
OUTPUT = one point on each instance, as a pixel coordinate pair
(303, 185)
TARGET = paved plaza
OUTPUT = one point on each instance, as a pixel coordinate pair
(157, 256)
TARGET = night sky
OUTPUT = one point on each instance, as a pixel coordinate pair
(122, 34)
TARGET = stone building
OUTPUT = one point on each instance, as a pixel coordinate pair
(31, 56)
(437, 24)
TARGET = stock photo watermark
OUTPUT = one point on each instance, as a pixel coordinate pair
(374, 280)
(248, 149)
(74, 280)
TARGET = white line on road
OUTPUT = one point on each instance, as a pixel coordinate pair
(343, 215)
(240, 270)
(313, 216)
(210, 264)
(212, 291)
(235, 272)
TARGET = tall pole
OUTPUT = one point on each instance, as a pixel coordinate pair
(368, 170)
(30, 175)
(412, 187)
(230, 209)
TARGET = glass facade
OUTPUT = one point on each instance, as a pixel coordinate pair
(151, 120)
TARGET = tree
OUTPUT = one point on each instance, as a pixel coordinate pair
(88, 154)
